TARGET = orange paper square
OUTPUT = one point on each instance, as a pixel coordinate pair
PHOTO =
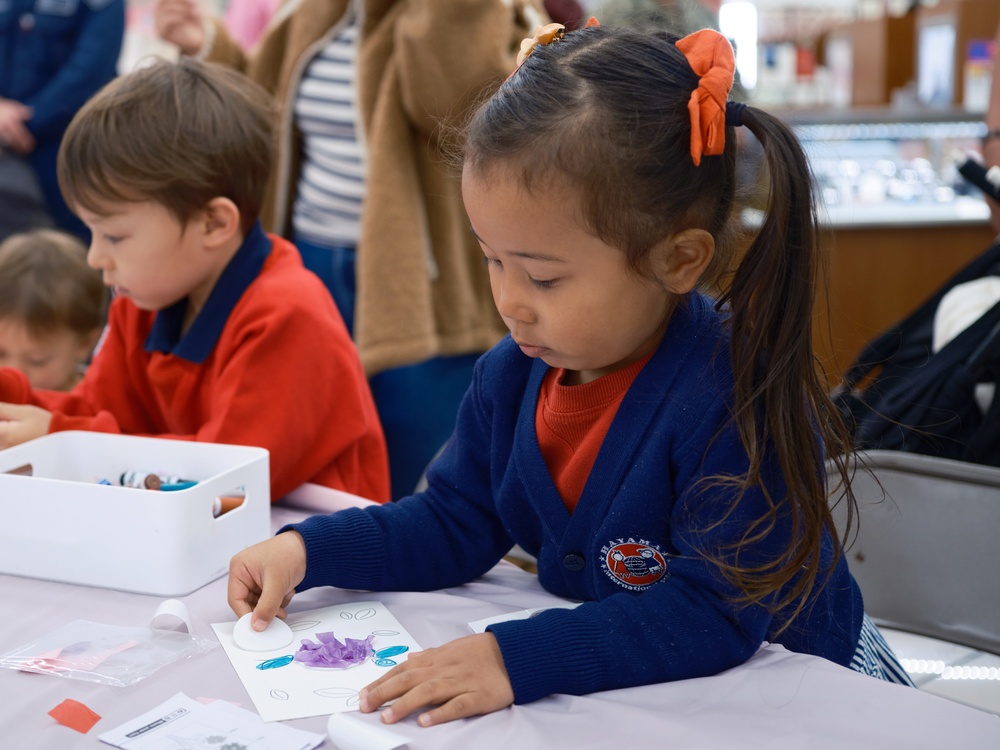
(75, 715)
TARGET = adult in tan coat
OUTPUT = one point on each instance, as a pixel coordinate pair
(423, 309)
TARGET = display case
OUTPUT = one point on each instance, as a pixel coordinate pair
(880, 166)
(897, 218)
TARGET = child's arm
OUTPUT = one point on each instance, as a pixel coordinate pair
(26, 414)
(444, 537)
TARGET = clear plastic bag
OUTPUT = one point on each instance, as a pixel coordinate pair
(107, 654)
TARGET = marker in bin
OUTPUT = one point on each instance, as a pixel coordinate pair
(145, 480)
(152, 481)
(226, 503)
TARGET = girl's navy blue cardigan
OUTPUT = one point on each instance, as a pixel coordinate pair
(654, 608)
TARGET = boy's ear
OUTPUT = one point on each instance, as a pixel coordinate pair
(219, 221)
(680, 260)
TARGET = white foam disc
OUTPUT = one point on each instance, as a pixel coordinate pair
(276, 636)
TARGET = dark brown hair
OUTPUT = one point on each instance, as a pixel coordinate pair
(46, 284)
(604, 111)
(178, 134)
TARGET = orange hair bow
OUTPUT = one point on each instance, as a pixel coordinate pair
(710, 56)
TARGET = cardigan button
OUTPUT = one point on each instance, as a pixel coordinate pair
(26, 22)
(574, 562)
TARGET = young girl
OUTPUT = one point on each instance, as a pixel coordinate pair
(51, 307)
(660, 452)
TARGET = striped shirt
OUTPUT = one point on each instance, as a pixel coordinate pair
(332, 179)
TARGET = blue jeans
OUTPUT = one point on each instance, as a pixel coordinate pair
(335, 268)
(417, 404)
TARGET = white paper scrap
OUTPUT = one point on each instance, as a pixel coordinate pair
(182, 723)
(348, 733)
(172, 614)
(479, 626)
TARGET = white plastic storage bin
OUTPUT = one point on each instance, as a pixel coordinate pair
(59, 523)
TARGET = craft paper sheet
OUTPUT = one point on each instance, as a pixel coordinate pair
(282, 688)
(183, 724)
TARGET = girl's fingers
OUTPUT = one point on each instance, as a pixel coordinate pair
(459, 707)
(242, 597)
(462, 678)
(388, 687)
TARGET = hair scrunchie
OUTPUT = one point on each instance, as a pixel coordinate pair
(710, 56)
(734, 113)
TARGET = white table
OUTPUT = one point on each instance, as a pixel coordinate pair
(776, 700)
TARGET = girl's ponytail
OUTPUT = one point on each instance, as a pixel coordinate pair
(781, 400)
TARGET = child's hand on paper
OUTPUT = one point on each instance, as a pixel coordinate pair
(463, 678)
(262, 578)
(22, 422)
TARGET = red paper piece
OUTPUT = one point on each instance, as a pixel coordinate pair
(75, 715)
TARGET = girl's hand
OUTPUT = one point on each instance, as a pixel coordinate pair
(262, 578)
(180, 22)
(463, 678)
(22, 422)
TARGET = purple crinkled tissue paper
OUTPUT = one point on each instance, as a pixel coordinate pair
(332, 654)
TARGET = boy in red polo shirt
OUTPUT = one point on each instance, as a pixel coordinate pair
(217, 333)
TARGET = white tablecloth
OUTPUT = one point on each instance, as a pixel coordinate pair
(776, 700)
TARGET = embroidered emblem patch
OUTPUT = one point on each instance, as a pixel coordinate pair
(634, 564)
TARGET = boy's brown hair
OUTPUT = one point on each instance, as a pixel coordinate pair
(46, 284)
(175, 133)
